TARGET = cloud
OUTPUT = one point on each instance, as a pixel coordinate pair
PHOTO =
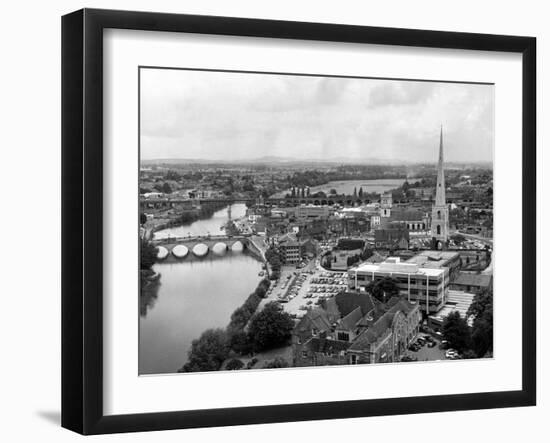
(401, 93)
(213, 115)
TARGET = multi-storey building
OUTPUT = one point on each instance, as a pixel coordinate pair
(423, 285)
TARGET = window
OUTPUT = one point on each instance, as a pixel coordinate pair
(304, 354)
(344, 336)
(314, 332)
(438, 230)
(353, 359)
(439, 215)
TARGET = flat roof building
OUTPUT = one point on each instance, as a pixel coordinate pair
(427, 286)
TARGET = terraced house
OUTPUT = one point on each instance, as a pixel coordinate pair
(355, 328)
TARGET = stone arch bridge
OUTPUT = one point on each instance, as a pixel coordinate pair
(200, 246)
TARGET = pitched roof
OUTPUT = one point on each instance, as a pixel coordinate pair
(349, 301)
(382, 324)
(370, 335)
(350, 320)
(331, 309)
(398, 214)
(317, 318)
(465, 278)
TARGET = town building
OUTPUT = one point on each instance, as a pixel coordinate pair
(394, 236)
(415, 220)
(472, 282)
(439, 259)
(457, 301)
(386, 203)
(440, 210)
(426, 286)
(311, 212)
(353, 328)
(293, 249)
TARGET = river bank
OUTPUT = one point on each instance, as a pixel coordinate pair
(193, 296)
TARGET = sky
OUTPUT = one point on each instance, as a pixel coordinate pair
(243, 116)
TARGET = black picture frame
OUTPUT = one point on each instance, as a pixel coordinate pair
(82, 219)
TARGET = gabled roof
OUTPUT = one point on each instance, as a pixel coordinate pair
(349, 301)
(465, 278)
(316, 318)
(380, 326)
(350, 321)
(370, 335)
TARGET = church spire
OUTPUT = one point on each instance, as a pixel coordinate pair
(440, 199)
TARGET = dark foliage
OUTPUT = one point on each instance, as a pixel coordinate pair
(383, 289)
(482, 330)
(148, 255)
(456, 331)
(208, 352)
(276, 363)
(349, 244)
(270, 328)
(234, 364)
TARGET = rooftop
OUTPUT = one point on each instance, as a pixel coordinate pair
(469, 279)
(456, 301)
(395, 265)
(433, 259)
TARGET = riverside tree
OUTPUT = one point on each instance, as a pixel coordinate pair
(148, 255)
(208, 352)
(269, 328)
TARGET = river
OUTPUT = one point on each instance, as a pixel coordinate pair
(210, 226)
(193, 296)
(348, 186)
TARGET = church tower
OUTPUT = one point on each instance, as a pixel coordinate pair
(440, 210)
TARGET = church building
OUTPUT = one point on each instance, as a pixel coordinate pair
(440, 210)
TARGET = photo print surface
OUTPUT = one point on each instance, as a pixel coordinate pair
(304, 220)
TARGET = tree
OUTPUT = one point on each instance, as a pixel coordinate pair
(240, 342)
(456, 331)
(142, 218)
(383, 289)
(469, 354)
(148, 255)
(481, 310)
(208, 352)
(234, 364)
(480, 303)
(355, 192)
(270, 327)
(166, 188)
(360, 191)
(333, 192)
(278, 362)
(482, 334)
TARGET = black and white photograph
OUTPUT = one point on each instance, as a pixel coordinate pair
(300, 220)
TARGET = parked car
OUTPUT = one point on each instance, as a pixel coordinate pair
(451, 353)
